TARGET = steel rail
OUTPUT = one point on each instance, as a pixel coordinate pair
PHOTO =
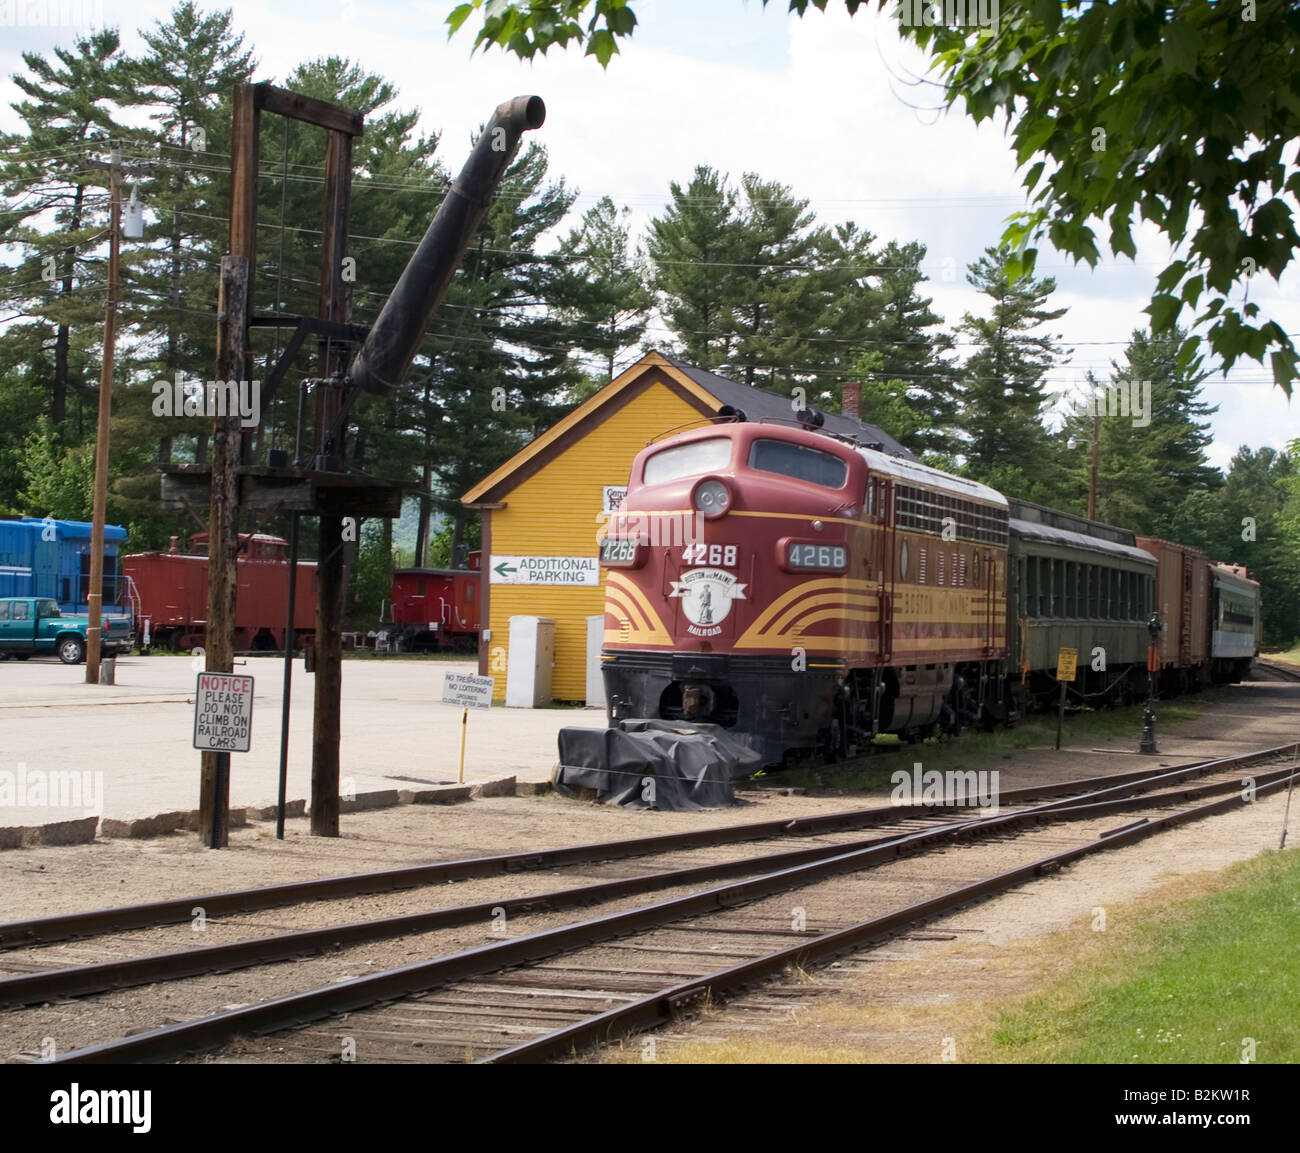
(82, 980)
(96, 922)
(1286, 672)
(361, 992)
(651, 1011)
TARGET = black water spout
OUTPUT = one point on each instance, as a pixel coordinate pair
(396, 334)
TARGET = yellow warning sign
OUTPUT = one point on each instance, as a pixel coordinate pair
(1067, 663)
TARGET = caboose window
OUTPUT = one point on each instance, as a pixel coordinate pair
(691, 459)
(798, 461)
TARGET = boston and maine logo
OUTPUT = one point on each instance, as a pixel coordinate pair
(706, 595)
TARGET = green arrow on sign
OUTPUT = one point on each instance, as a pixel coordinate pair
(504, 569)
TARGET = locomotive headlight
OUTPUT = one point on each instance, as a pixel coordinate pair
(711, 497)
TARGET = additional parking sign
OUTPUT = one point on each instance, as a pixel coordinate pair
(223, 713)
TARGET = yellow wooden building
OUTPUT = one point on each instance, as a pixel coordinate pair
(542, 509)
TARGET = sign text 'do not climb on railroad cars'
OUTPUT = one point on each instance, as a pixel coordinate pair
(223, 713)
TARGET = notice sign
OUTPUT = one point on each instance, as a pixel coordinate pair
(1067, 664)
(223, 713)
(466, 691)
(545, 570)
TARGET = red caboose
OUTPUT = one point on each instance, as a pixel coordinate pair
(169, 593)
(438, 608)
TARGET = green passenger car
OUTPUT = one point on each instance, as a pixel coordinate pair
(1082, 585)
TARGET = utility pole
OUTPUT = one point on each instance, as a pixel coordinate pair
(1092, 487)
(95, 594)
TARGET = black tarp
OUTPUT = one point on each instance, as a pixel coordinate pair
(654, 764)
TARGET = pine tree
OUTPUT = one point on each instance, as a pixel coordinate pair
(1002, 383)
(186, 80)
(778, 297)
(1152, 433)
(502, 369)
(911, 353)
(54, 211)
(694, 248)
(603, 290)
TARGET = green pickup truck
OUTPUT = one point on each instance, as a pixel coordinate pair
(35, 625)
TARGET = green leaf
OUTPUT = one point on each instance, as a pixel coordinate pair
(602, 46)
(1164, 311)
(457, 17)
(1171, 275)
(1284, 369)
(1181, 46)
(621, 21)
(1047, 13)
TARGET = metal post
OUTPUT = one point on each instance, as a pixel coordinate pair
(1060, 717)
(288, 677)
(95, 594)
(1148, 742)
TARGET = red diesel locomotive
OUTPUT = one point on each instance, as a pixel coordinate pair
(803, 591)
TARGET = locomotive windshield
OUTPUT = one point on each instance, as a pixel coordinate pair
(798, 461)
(688, 460)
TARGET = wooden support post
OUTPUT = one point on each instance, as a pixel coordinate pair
(223, 539)
(335, 304)
(233, 363)
(329, 680)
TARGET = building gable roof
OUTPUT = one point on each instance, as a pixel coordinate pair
(707, 391)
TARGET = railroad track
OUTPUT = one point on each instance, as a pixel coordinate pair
(572, 984)
(1282, 672)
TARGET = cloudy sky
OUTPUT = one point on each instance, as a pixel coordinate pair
(836, 107)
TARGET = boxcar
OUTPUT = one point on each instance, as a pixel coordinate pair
(1083, 585)
(171, 592)
(1183, 604)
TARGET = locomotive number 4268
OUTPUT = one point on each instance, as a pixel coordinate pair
(719, 555)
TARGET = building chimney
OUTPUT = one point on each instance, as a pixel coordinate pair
(851, 402)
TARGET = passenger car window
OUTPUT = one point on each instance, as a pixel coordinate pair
(4, 610)
(798, 461)
(691, 459)
(22, 611)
